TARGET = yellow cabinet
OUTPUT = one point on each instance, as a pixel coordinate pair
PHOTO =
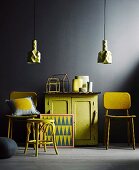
(84, 106)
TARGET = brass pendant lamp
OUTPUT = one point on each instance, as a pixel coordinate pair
(104, 56)
(34, 56)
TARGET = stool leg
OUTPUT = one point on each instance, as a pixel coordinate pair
(34, 138)
(44, 136)
(54, 140)
(28, 136)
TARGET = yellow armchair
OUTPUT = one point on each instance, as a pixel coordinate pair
(15, 95)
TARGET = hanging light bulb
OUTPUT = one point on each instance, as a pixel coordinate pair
(34, 56)
(104, 56)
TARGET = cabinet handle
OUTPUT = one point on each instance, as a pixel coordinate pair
(93, 117)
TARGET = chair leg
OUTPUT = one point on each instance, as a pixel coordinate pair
(128, 131)
(108, 133)
(37, 138)
(9, 128)
(133, 133)
(105, 131)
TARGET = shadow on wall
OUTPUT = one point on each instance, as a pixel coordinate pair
(131, 85)
(119, 129)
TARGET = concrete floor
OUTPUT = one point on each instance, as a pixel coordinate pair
(84, 158)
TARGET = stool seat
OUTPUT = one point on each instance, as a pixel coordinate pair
(38, 120)
(40, 125)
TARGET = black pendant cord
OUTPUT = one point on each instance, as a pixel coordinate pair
(104, 18)
(34, 19)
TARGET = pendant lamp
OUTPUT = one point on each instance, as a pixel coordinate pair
(104, 56)
(34, 56)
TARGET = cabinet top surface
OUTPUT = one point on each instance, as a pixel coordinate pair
(72, 93)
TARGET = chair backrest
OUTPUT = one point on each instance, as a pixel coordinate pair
(117, 100)
(18, 94)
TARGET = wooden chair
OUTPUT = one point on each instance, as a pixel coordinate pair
(119, 101)
(12, 118)
(47, 126)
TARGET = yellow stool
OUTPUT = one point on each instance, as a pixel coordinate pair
(40, 125)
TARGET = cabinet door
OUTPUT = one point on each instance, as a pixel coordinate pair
(58, 105)
(86, 120)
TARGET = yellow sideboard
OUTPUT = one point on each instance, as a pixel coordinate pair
(84, 106)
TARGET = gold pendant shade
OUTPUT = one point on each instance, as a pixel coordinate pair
(104, 56)
(34, 56)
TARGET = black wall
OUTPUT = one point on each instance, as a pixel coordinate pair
(69, 34)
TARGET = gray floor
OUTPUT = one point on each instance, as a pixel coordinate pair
(84, 158)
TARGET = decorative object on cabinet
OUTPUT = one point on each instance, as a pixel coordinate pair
(77, 84)
(90, 86)
(85, 80)
(34, 56)
(84, 106)
(64, 129)
(105, 56)
(11, 117)
(53, 85)
(46, 126)
(63, 81)
(116, 102)
(82, 84)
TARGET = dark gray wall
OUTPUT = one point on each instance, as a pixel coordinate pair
(69, 34)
